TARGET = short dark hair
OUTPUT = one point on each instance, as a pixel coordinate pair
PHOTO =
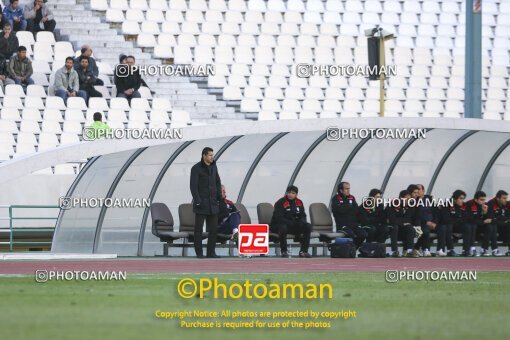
(206, 150)
(457, 193)
(341, 186)
(12, 1)
(421, 186)
(21, 48)
(132, 57)
(98, 117)
(480, 194)
(412, 187)
(70, 58)
(403, 193)
(374, 192)
(501, 193)
(84, 49)
(83, 57)
(292, 188)
(7, 24)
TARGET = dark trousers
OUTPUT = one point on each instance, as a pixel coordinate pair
(99, 82)
(302, 230)
(468, 236)
(34, 28)
(490, 236)
(91, 92)
(227, 227)
(358, 234)
(211, 226)
(503, 229)
(405, 233)
(377, 233)
(444, 236)
(423, 241)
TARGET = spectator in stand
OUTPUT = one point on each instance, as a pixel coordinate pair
(20, 67)
(39, 17)
(4, 73)
(2, 22)
(13, 14)
(87, 79)
(128, 80)
(67, 83)
(86, 51)
(8, 42)
(98, 129)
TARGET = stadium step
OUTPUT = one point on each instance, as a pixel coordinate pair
(80, 25)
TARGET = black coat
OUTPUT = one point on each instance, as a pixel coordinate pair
(8, 46)
(205, 186)
(402, 215)
(372, 217)
(131, 81)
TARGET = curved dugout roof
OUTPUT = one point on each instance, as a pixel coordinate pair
(257, 166)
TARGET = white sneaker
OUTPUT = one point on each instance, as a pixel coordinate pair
(426, 253)
(440, 253)
(495, 252)
(485, 252)
(234, 234)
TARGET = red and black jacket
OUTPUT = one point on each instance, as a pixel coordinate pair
(345, 210)
(288, 211)
(500, 214)
(455, 215)
(226, 208)
(475, 215)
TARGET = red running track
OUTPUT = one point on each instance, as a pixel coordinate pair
(256, 265)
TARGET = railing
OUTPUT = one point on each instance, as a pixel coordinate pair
(13, 229)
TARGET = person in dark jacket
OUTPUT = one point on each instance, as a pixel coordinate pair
(480, 217)
(500, 208)
(4, 73)
(8, 42)
(428, 215)
(86, 51)
(128, 79)
(87, 79)
(372, 217)
(345, 211)
(403, 220)
(452, 219)
(229, 216)
(205, 186)
(289, 217)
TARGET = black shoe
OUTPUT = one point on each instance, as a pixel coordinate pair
(452, 253)
(200, 256)
(305, 254)
(213, 256)
(285, 254)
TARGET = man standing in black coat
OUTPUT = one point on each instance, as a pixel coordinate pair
(205, 186)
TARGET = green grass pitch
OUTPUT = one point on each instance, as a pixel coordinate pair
(125, 309)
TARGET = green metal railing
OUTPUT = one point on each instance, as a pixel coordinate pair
(13, 229)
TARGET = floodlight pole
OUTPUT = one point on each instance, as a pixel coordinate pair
(382, 76)
(473, 81)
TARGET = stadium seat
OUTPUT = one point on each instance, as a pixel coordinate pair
(163, 226)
